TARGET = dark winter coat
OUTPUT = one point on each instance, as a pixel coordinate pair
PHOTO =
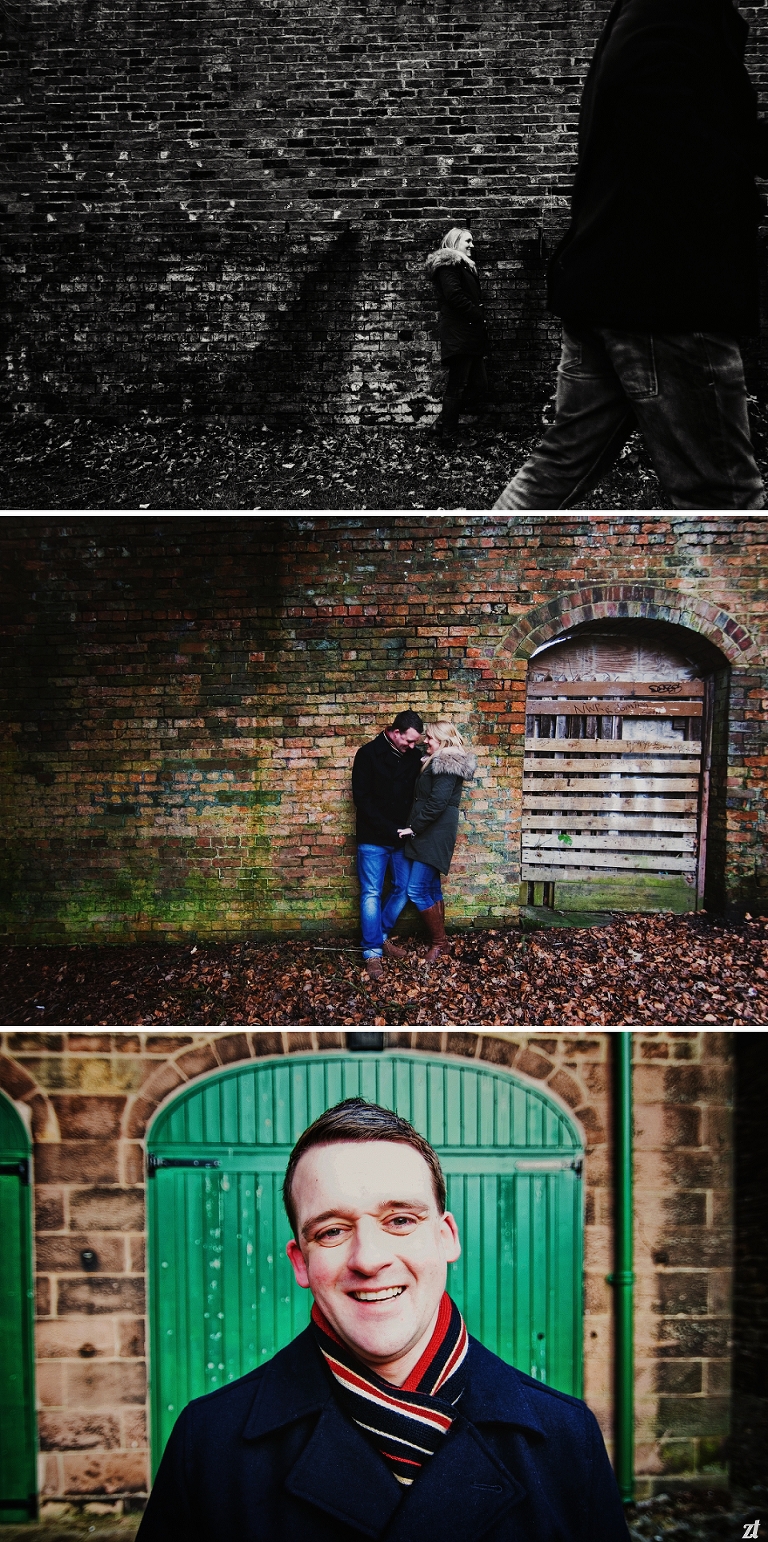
(664, 217)
(272, 1458)
(461, 328)
(434, 817)
(382, 790)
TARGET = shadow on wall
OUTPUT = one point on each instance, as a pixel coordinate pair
(311, 333)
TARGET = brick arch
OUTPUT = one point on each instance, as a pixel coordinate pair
(599, 602)
(22, 1088)
(191, 1064)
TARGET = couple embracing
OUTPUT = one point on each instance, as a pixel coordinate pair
(407, 806)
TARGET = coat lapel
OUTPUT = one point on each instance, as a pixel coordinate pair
(463, 1490)
(342, 1474)
(460, 1493)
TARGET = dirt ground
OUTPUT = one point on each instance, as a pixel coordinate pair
(153, 464)
(708, 1516)
(634, 970)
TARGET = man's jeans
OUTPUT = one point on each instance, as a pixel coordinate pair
(684, 391)
(372, 864)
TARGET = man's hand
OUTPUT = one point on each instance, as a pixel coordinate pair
(403, 833)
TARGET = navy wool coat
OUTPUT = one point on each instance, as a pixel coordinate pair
(382, 789)
(272, 1458)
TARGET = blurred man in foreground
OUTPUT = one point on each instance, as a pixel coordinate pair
(658, 274)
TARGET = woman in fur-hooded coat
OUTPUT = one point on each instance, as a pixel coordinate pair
(434, 823)
(463, 338)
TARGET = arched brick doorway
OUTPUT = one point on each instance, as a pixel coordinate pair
(626, 728)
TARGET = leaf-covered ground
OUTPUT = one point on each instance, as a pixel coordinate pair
(149, 463)
(665, 969)
(706, 1516)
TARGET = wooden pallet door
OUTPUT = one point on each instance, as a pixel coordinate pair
(615, 780)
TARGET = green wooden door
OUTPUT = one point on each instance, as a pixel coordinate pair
(222, 1292)
(18, 1484)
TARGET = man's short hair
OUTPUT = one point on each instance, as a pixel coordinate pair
(406, 720)
(353, 1122)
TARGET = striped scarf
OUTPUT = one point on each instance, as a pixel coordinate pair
(406, 1423)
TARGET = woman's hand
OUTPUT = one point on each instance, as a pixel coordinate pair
(403, 833)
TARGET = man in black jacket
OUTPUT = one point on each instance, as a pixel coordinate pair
(383, 778)
(384, 1421)
(657, 275)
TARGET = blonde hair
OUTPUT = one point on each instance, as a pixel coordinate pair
(452, 240)
(448, 737)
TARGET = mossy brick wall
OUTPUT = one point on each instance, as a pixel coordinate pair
(90, 1097)
(222, 208)
(183, 698)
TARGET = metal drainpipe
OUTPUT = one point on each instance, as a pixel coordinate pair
(623, 1276)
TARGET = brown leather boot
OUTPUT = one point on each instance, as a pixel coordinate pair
(435, 919)
(374, 969)
(390, 950)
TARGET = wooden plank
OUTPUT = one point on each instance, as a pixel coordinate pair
(637, 784)
(609, 821)
(610, 746)
(618, 861)
(561, 875)
(618, 765)
(614, 707)
(625, 688)
(608, 840)
(612, 803)
(624, 891)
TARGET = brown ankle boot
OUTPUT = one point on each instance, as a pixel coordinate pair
(435, 919)
(390, 950)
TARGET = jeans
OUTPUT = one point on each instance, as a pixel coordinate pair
(424, 885)
(685, 392)
(466, 378)
(372, 865)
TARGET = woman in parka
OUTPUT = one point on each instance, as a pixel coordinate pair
(434, 822)
(462, 334)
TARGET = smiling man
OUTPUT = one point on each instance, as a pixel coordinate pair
(384, 1419)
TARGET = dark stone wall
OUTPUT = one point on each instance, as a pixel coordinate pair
(219, 208)
(749, 1442)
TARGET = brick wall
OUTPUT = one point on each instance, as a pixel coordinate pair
(182, 700)
(220, 209)
(90, 1097)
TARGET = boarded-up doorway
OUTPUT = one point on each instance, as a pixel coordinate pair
(616, 775)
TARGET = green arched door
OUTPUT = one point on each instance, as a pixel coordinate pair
(18, 1485)
(222, 1293)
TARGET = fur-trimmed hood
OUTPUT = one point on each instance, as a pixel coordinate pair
(453, 762)
(446, 256)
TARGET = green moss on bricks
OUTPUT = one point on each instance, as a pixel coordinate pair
(677, 1456)
(236, 798)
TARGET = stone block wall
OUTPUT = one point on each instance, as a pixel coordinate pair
(182, 700)
(750, 1291)
(90, 1097)
(217, 209)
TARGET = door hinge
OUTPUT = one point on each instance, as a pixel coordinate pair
(549, 1165)
(155, 1162)
(16, 1169)
(29, 1504)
